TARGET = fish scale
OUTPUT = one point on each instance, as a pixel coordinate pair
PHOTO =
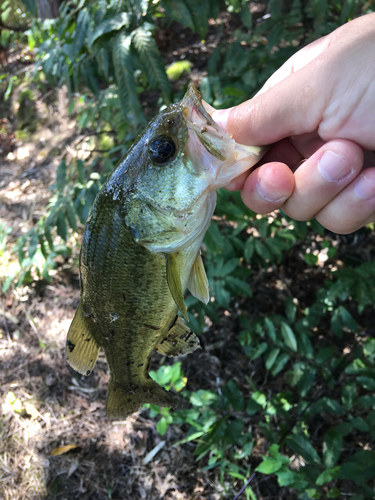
(141, 251)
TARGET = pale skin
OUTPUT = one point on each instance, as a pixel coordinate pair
(318, 114)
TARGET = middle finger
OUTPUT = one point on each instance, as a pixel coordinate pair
(322, 176)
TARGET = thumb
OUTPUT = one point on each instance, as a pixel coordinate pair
(293, 106)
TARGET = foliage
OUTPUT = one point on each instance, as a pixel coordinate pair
(105, 53)
(220, 423)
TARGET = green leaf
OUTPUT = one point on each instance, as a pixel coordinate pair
(305, 347)
(287, 477)
(301, 446)
(366, 401)
(328, 475)
(8, 282)
(249, 248)
(271, 358)
(238, 286)
(344, 428)
(191, 13)
(252, 407)
(360, 468)
(270, 329)
(269, 466)
(262, 250)
(359, 424)
(125, 78)
(311, 259)
(61, 226)
(228, 267)
(259, 350)
(80, 31)
(290, 309)
(161, 426)
(88, 71)
(332, 447)
(348, 394)
(335, 493)
(152, 62)
(61, 175)
(102, 58)
(306, 381)
(115, 23)
(70, 215)
(367, 383)
(233, 394)
(233, 431)
(332, 406)
(33, 243)
(280, 363)
(246, 16)
(288, 336)
(179, 11)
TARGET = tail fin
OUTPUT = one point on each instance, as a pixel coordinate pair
(123, 400)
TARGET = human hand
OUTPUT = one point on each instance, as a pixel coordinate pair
(318, 111)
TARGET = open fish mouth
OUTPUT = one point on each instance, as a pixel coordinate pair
(214, 152)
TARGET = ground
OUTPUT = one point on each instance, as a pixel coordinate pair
(109, 460)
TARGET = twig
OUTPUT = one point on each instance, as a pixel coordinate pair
(94, 133)
(245, 486)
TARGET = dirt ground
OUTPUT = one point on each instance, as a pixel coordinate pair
(106, 460)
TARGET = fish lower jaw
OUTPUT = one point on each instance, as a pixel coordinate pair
(190, 234)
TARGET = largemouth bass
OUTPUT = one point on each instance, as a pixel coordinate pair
(141, 250)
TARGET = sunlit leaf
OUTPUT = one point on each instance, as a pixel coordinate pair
(63, 449)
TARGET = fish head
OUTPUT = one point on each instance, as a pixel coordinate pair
(179, 162)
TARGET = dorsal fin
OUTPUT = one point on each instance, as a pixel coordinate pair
(198, 282)
(174, 282)
(81, 348)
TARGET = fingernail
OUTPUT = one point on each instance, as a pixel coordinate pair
(333, 167)
(364, 188)
(220, 116)
(268, 193)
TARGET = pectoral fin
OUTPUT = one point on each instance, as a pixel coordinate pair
(179, 341)
(174, 282)
(81, 349)
(198, 282)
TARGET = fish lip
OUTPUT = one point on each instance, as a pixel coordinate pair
(193, 96)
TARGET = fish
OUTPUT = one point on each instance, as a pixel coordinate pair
(141, 250)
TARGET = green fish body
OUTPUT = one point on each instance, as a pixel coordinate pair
(141, 251)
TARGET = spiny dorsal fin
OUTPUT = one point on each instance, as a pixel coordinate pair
(81, 349)
(198, 282)
(179, 341)
(174, 282)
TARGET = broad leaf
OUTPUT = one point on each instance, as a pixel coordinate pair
(302, 446)
(332, 447)
(125, 78)
(115, 23)
(151, 61)
(289, 337)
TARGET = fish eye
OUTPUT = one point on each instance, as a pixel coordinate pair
(162, 149)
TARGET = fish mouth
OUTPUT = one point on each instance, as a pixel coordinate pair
(213, 152)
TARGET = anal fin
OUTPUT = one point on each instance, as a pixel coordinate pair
(81, 348)
(174, 282)
(179, 341)
(198, 282)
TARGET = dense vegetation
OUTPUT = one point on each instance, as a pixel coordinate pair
(317, 411)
